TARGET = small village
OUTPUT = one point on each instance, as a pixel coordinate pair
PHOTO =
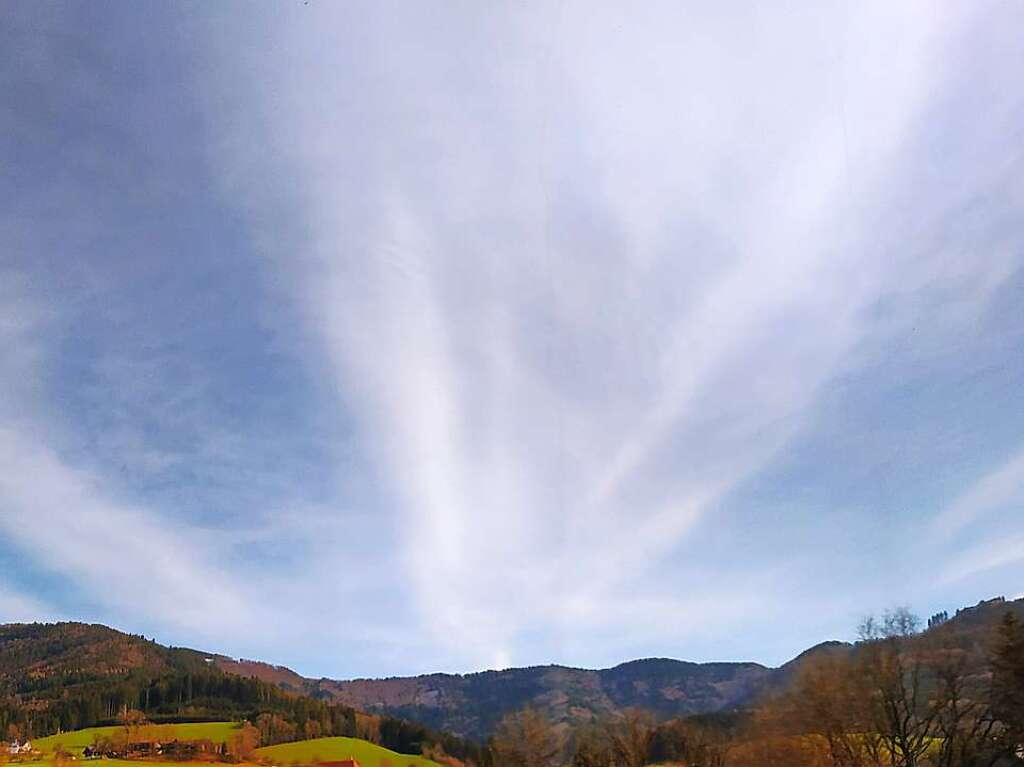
(17, 748)
(175, 750)
(201, 750)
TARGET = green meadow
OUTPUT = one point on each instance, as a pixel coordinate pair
(336, 749)
(284, 754)
(74, 742)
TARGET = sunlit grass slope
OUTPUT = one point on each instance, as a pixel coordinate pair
(336, 749)
(74, 742)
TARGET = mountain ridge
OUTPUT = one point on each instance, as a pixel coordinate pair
(471, 704)
(667, 686)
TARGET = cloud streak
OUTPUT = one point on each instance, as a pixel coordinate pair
(68, 519)
(453, 345)
(997, 488)
(105, 545)
(556, 398)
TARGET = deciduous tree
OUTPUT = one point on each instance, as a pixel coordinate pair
(592, 748)
(631, 737)
(243, 742)
(525, 739)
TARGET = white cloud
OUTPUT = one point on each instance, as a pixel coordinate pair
(999, 487)
(69, 520)
(580, 290)
(19, 608)
(122, 555)
(986, 556)
(286, 579)
(575, 276)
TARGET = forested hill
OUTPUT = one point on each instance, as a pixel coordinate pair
(80, 652)
(67, 676)
(71, 675)
(472, 704)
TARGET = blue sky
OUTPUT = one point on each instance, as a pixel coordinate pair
(381, 338)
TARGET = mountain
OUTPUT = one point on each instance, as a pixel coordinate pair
(68, 676)
(43, 664)
(39, 651)
(471, 705)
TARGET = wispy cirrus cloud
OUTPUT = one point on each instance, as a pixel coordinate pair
(577, 298)
(385, 345)
(998, 493)
(63, 516)
(1000, 486)
(18, 608)
(194, 578)
(67, 516)
(992, 554)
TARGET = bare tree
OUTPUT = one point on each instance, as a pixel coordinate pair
(592, 748)
(525, 739)
(368, 727)
(131, 722)
(244, 742)
(964, 722)
(830, 699)
(631, 738)
(894, 667)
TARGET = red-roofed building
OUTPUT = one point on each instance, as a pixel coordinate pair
(342, 763)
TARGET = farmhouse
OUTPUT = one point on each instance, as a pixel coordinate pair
(185, 749)
(16, 748)
(144, 748)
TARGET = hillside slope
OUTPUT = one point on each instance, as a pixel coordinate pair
(73, 675)
(70, 676)
(471, 704)
(337, 749)
(73, 742)
(40, 651)
(300, 752)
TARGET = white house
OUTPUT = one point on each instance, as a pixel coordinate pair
(16, 748)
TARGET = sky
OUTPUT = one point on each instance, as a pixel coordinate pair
(380, 338)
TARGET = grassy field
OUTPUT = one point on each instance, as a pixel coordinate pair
(48, 762)
(302, 752)
(74, 742)
(335, 749)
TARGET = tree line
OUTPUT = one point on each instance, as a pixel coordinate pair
(60, 703)
(896, 698)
